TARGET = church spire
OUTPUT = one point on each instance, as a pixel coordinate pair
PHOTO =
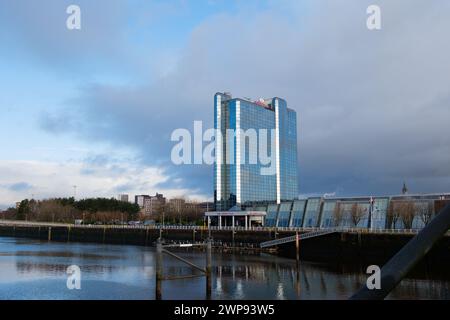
(405, 188)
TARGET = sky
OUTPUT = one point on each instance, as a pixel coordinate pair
(95, 108)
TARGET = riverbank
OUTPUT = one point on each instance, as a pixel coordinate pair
(332, 247)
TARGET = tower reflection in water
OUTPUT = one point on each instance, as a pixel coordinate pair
(282, 280)
(33, 270)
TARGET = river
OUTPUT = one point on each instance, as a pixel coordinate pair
(33, 269)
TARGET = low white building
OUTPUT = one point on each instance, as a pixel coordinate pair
(236, 217)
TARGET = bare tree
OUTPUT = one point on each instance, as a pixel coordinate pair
(142, 216)
(392, 215)
(407, 212)
(9, 214)
(53, 210)
(338, 214)
(166, 214)
(180, 207)
(356, 213)
(425, 213)
(193, 212)
(47, 210)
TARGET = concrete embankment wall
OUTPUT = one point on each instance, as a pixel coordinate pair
(331, 247)
(78, 234)
(370, 247)
(136, 236)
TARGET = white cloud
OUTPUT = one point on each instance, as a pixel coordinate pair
(372, 106)
(53, 179)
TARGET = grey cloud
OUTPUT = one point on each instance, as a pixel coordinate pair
(88, 171)
(57, 123)
(98, 163)
(19, 186)
(372, 105)
(124, 188)
(97, 160)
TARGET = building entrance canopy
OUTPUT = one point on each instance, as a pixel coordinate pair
(236, 218)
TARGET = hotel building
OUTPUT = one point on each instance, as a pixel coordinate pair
(238, 182)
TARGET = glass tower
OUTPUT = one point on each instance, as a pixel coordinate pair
(256, 152)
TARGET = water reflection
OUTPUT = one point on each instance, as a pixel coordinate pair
(50, 269)
(37, 270)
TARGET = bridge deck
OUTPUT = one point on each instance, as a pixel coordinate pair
(293, 238)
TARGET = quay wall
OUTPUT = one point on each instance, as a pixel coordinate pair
(137, 236)
(331, 247)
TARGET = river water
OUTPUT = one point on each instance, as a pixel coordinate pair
(33, 269)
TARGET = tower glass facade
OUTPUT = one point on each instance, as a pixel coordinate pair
(256, 152)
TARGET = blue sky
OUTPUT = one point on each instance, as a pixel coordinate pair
(95, 107)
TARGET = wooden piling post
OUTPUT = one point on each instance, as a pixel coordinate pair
(49, 233)
(232, 238)
(208, 268)
(159, 269)
(297, 257)
(297, 284)
(359, 240)
(297, 250)
(68, 234)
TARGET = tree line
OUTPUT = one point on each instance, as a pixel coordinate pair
(404, 211)
(67, 210)
(188, 213)
(104, 210)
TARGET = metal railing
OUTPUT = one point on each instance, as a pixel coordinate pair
(302, 236)
(19, 223)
